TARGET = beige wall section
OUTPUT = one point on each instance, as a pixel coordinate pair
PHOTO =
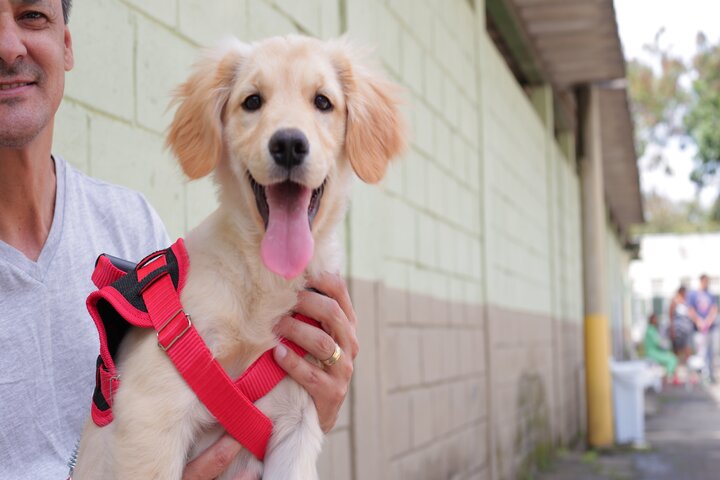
(464, 265)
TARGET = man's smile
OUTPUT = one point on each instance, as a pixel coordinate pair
(11, 86)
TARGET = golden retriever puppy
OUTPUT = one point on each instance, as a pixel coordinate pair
(280, 124)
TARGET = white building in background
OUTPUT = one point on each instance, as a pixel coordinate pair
(666, 262)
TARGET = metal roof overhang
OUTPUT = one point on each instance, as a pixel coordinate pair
(620, 172)
(569, 44)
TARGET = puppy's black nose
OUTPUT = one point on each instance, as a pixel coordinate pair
(289, 147)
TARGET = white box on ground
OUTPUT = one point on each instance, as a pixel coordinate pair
(630, 379)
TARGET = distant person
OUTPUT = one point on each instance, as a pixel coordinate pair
(705, 306)
(656, 349)
(683, 322)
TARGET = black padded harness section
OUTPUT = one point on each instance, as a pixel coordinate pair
(98, 398)
(131, 289)
(116, 327)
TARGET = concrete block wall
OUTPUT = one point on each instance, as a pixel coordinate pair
(570, 405)
(417, 254)
(399, 268)
(464, 264)
(520, 184)
(619, 296)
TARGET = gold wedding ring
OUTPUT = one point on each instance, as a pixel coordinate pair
(334, 357)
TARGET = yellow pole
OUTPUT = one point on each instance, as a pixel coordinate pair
(598, 387)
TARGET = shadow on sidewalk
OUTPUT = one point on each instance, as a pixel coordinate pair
(682, 430)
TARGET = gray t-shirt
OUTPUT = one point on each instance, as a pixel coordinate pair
(48, 342)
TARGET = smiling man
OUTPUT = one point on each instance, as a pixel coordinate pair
(54, 221)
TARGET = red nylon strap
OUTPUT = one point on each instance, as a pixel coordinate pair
(222, 397)
(265, 373)
(105, 272)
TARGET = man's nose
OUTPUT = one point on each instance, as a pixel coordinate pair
(12, 46)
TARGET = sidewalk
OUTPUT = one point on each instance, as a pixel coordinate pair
(683, 431)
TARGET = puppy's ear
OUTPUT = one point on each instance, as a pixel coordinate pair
(195, 135)
(375, 131)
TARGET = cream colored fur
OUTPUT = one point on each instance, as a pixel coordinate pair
(233, 299)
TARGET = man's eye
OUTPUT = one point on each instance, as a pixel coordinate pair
(33, 16)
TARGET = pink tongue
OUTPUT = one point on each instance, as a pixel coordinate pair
(287, 245)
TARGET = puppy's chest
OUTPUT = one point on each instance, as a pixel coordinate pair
(236, 325)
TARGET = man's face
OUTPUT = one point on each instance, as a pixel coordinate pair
(704, 283)
(35, 53)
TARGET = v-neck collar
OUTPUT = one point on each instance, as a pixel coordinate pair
(38, 269)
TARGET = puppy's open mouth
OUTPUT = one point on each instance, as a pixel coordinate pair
(290, 189)
(288, 210)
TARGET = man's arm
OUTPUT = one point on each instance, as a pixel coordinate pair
(710, 319)
(695, 318)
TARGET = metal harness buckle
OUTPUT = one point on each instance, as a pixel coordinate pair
(177, 337)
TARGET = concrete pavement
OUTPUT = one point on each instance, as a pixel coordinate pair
(682, 430)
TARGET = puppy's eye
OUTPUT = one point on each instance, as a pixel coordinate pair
(323, 103)
(252, 103)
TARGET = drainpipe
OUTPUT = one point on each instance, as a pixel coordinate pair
(596, 324)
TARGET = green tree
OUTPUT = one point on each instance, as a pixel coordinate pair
(702, 122)
(673, 100)
(666, 216)
(657, 97)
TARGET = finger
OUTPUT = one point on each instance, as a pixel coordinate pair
(332, 318)
(313, 379)
(314, 340)
(334, 286)
(213, 461)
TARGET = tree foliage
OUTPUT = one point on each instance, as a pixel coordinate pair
(658, 99)
(666, 216)
(672, 99)
(702, 122)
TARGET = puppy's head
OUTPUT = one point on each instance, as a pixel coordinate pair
(282, 122)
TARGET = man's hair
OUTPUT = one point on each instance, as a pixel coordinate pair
(66, 5)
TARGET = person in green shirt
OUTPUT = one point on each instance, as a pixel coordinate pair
(655, 348)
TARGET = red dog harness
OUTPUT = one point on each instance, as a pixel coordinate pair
(148, 296)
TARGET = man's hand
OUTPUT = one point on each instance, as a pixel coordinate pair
(213, 461)
(710, 319)
(327, 385)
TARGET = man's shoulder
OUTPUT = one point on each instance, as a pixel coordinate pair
(713, 298)
(105, 198)
(118, 211)
(99, 188)
(707, 294)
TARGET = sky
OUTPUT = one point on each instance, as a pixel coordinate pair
(639, 21)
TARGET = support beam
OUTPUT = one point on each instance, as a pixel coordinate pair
(597, 330)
